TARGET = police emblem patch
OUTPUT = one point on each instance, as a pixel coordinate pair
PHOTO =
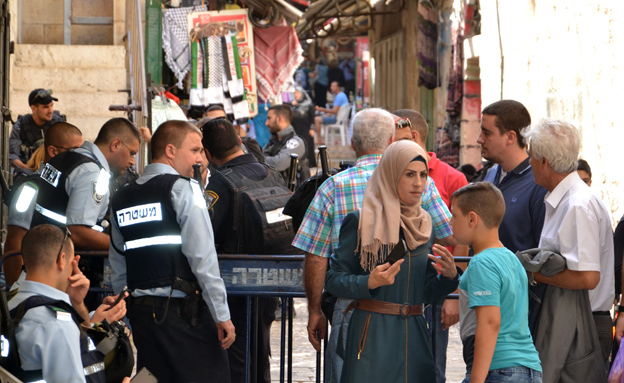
(211, 198)
(292, 143)
(98, 198)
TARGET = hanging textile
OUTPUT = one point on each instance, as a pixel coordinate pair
(176, 41)
(278, 55)
(427, 46)
(214, 95)
(224, 64)
(456, 75)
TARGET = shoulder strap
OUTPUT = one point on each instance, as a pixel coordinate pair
(39, 300)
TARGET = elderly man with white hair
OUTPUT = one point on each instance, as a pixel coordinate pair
(577, 223)
(373, 132)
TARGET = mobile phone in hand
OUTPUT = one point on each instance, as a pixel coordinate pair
(121, 296)
(144, 376)
(399, 251)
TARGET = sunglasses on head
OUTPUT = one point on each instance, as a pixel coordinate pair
(67, 235)
(43, 93)
(402, 122)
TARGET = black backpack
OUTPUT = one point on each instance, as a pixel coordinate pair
(259, 225)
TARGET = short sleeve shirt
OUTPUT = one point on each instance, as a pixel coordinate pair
(341, 99)
(495, 277)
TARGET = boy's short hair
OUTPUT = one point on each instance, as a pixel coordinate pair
(484, 199)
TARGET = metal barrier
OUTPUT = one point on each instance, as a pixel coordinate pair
(251, 276)
(256, 276)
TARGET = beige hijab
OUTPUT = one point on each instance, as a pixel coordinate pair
(383, 214)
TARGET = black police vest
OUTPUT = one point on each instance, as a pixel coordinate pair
(52, 198)
(11, 196)
(31, 135)
(152, 236)
(302, 164)
(92, 360)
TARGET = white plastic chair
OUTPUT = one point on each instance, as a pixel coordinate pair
(341, 126)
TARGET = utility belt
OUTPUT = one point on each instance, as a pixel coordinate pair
(404, 310)
(189, 307)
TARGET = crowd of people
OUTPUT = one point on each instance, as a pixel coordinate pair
(379, 238)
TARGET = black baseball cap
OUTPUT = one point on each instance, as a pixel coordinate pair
(41, 96)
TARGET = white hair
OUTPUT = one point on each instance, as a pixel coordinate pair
(557, 141)
(372, 130)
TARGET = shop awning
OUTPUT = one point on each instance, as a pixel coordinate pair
(325, 18)
(263, 7)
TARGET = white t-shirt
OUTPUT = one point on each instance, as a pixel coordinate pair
(577, 225)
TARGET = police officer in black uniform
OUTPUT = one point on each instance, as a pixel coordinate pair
(284, 142)
(29, 129)
(231, 164)
(162, 248)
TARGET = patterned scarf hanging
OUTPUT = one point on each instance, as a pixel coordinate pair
(236, 85)
(214, 94)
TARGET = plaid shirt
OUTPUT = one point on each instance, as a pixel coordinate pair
(342, 194)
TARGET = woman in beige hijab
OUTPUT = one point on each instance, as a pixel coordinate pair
(387, 337)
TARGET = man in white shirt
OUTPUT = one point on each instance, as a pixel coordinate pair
(577, 223)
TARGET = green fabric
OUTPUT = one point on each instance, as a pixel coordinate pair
(194, 73)
(153, 40)
(237, 64)
(204, 54)
(397, 349)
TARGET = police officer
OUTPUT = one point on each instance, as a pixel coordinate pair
(73, 189)
(29, 129)
(59, 138)
(49, 341)
(284, 142)
(223, 149)
(162, 248)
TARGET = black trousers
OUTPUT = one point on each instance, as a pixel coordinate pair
(236, 353)
(174, 351)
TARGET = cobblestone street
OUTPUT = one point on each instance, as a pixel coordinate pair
(304, 356)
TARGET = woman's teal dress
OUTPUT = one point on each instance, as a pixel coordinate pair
(391, 348)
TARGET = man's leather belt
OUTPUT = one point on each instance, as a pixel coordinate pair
(157, 302)
(403, 309)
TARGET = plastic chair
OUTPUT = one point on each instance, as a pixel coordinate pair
(341, 126)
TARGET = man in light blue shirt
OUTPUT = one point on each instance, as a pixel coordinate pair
(162, 248)
(48, 336)
(329, 115)
(61, 137)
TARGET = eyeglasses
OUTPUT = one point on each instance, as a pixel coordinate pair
(402, 122)
(43, 93)
(67, 235)
(64, 148)
(132, 152)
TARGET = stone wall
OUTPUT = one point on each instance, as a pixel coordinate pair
(562, 60)
(42, 22)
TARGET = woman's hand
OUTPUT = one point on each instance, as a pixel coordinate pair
(445, 265)
(383, 275)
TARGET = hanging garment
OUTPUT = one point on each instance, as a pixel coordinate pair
(176, 40)
(427, 47)
(236, 86)
(278, 55)
(214, 93)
